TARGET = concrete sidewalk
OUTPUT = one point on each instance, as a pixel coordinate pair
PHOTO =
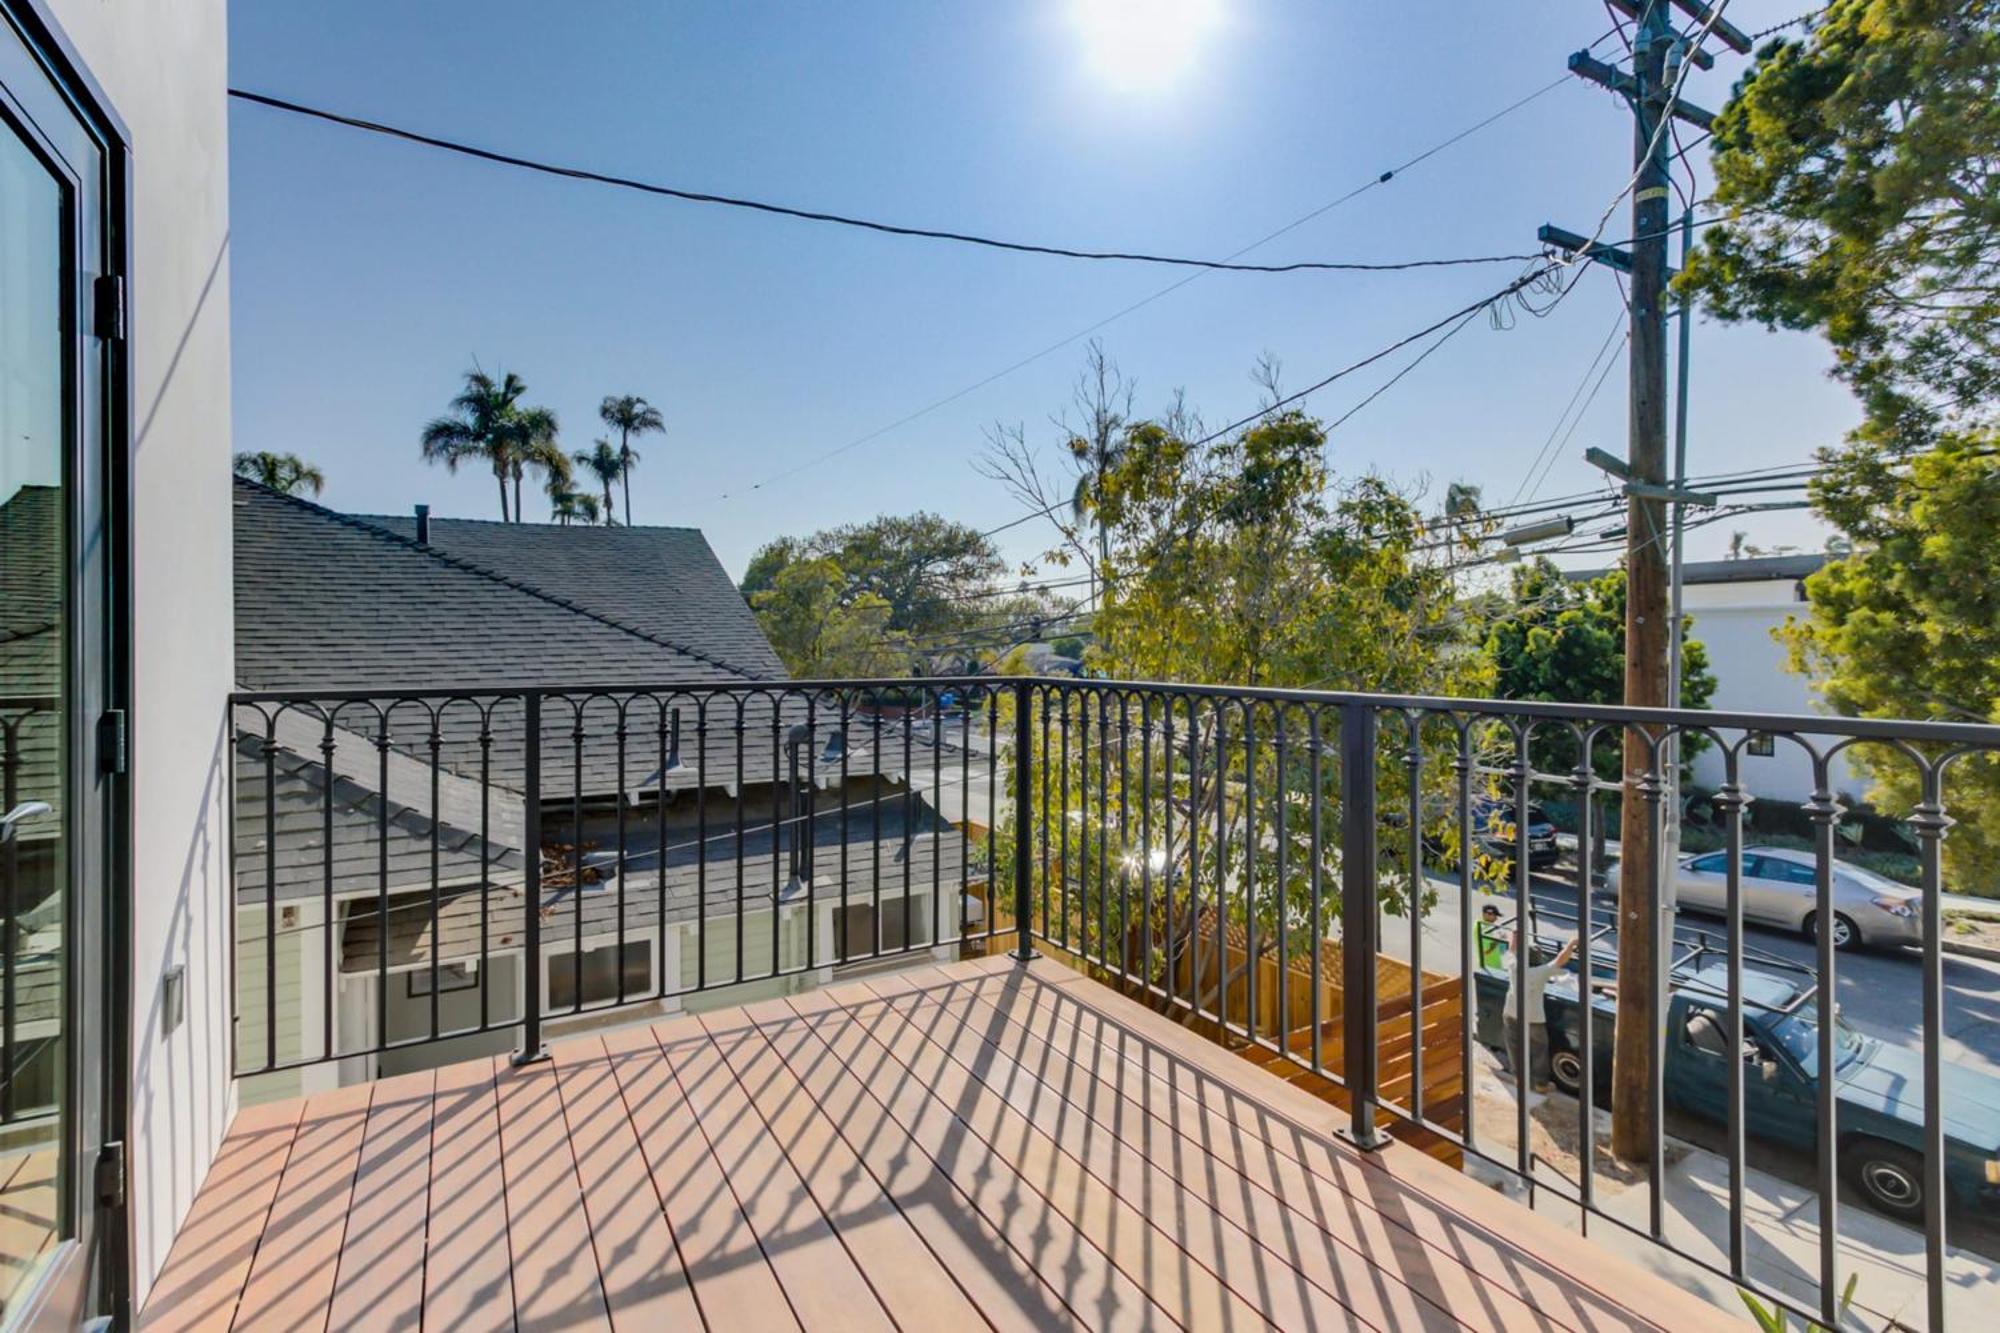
(1781, 1224)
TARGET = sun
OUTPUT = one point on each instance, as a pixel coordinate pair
(1143, 45)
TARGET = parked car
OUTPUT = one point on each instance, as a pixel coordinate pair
(1878, 1094)
(1778, 890)
(1493, 822)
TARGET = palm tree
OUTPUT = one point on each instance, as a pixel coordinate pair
(535, 445)
(602, 461)
(1462, 499)
(287, 474)
(630, 415)
(568, 506)
(482, 426)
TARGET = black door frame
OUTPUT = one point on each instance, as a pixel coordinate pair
(102, 1282)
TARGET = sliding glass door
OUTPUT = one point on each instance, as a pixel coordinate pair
(56, 793)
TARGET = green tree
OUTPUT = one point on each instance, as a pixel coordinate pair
(536, 446)
(1240, 561)
(822, 628)
(939, 578)
(1563, 640)
(567, 506)
(480, 427)
(630, 416)
(288, 474)
(1907, 624)
(1858, 171)
(603, 462)
(488, 423)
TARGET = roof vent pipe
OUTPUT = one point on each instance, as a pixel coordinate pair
(423, 525)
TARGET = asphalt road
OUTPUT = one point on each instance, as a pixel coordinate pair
(1878, 990)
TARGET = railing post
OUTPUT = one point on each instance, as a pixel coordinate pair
(1358, 923)
(1024, 949)
(532, 1046)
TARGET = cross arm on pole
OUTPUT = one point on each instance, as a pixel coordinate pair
(1587, 66)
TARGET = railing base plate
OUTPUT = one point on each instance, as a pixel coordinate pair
(536, 1056)
(1374, 1141)
(1023, 955)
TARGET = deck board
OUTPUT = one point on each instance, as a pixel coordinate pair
(211, 1257)
(732, 1278)
(645, 1285)
(468, 1270)
(920, 1291)
(556, 1282)
(1013, 1195)
(1335, 1245)
(291, 1280)
(381, 1279)
(820, 1276)
(968, 1145)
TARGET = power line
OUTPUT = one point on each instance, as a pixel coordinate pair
(847, 220)
(1568, 407)
(1390, 383)
(1577, 420)
(1484, 303)
(1373, 183)
(1777, 28)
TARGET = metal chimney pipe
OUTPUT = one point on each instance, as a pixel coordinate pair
(423, 525)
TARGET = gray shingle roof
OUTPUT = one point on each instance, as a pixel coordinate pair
(31, 647)
(906, 863)
(664, 582)
(362, 860)
(329, 601)
(326, 601)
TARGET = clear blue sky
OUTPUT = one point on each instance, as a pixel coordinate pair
(368, 274)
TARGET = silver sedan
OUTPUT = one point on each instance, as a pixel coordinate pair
(1778, 890)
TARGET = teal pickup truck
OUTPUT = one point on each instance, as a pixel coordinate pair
(1878, 1088)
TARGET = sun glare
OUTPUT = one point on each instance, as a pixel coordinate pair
(1139, 45)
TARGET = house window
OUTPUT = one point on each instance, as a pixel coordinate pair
(1762, 744)
(602, 968)
(450, 977)
(857, 930)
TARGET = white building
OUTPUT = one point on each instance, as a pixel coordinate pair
(1735, 606)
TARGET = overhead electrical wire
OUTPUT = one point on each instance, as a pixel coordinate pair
(1372, 183)
(844, 219)
(1549, 444)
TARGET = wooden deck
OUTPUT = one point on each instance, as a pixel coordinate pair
(971, 1145)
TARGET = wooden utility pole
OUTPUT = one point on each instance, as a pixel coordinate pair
(1645, 913)
(1633, 1072)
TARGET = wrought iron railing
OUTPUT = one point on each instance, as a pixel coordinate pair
(1270, 866)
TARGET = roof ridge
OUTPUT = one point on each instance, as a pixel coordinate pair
(380, 533)
(509, 523)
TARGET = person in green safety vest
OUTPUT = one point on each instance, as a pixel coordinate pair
(1492, 948)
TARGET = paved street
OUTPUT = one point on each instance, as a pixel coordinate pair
(1877, 989)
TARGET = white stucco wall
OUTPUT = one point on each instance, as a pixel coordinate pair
(164, 68)
(1734, 621)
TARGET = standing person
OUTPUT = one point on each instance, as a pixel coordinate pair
(1492, 949)
(1533, 982)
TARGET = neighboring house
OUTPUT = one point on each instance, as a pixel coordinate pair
(352, 603)
(1734, 607)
